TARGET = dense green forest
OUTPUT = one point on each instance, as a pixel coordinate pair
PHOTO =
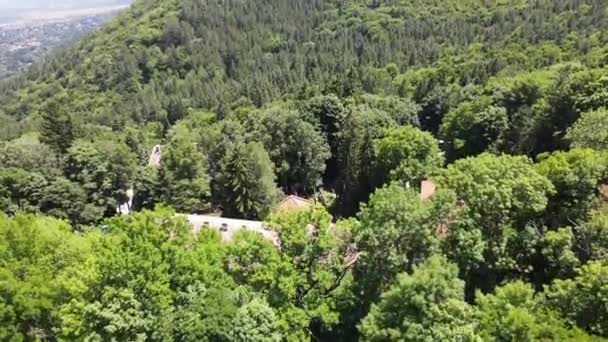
(503, 104)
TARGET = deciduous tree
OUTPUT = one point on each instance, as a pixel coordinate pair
(590, 130)
(426, 305)
(406, 155)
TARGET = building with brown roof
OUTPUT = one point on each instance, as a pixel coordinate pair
(292, 202)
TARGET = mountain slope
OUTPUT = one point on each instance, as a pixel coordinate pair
(201, 54)
(509, 76)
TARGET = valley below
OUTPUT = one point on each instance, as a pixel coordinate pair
(26, 34)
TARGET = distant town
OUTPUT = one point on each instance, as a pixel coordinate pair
(26, 38)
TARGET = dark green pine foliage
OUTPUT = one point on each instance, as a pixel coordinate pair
(247, 182)
(162, 57)
(56, 129)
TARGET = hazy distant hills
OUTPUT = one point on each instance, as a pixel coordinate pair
(30, 28)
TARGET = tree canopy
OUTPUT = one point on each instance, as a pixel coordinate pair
(496, 109)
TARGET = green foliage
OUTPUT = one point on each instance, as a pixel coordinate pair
(501, 198)
(56, 128)
(151, 280)
(65, 199)
(407, 155)
(402, 110)
(498, 190)
(247, 181)
(20, 190)
(296, 147)
(29, 154)
(328, 83)
(592, 237)
(589, 131)
(254, 261)
(130, 293)
(319, 254)
(325, 95)
(576, 176)
(329, 113)
(35, 253)
(507, 115)
(582, 300)
(183, 173)
(426, 305)
(104, 170)
(559, 252)
(255, 322)
(356, 157)
(204, 314)
(146, 188)
(148, 277)
(514, 313)
(471, 128)
(395, 232)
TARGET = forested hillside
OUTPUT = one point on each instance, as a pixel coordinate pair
(502, 104)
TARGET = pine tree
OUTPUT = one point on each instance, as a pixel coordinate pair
(56, 129)
(247, 181)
